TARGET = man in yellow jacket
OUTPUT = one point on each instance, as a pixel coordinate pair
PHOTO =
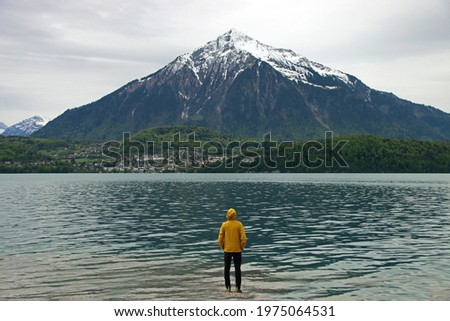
(232, 240)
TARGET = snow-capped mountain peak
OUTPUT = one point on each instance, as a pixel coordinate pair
(239, 85)
(234, 48)
(235, 39)
(26, 127)
(232, 36)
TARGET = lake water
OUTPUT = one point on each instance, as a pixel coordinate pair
(154, 236)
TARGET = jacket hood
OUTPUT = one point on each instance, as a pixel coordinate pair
(231, 214)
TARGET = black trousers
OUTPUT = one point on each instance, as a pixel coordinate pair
(237, 259)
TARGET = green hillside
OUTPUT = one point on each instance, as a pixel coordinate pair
(197, 149)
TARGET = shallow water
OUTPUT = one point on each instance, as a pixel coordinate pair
(153, 237)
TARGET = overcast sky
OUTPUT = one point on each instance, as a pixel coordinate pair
(56, 55)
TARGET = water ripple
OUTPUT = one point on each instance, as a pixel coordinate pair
(153, 237)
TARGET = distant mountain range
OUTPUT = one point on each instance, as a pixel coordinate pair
(238, 85)
(25, 127)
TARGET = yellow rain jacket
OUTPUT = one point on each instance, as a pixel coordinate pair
(232, 236)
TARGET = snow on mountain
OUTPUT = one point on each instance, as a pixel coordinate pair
(26, 127)
(234, 47)
(239, 85)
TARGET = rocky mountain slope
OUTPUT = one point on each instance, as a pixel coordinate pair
(238, 85)
(26, 127)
